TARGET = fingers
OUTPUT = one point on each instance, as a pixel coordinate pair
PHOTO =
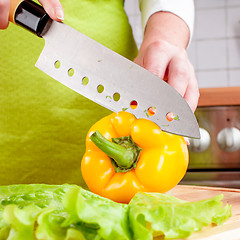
(192, 96)
(192, 92)
(182, 77)
(170, 62)
(4, 13)
(53, 8)
(178, 75)
(157, 57)
(139, 59)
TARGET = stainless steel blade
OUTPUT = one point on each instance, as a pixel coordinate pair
(116, 74)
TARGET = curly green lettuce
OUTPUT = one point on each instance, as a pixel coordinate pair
(68, 212)
(156, 214)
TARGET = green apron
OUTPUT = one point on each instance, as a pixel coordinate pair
(43, 124)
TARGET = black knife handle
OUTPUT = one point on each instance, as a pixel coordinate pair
(31, 16)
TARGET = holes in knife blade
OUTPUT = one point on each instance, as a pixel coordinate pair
(100, 88)
(133, 104)
(70, 72)
(85, 81)
(57, 64)
(171, 116)
(151, 111)
(116, 96)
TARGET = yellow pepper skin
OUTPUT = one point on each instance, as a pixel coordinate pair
(162, 162)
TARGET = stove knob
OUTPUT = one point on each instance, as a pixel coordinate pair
(229, 139)
(202, 144)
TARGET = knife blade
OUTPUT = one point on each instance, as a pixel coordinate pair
(101, 74)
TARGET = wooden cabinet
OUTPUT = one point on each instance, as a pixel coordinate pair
(219, 96)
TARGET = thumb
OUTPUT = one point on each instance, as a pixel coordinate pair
(54, 9)
(4, 13)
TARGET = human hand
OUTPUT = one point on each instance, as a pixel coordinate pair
(52, 7)
(163, 52)
(171, 63)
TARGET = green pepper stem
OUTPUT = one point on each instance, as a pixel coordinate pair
(125, 155)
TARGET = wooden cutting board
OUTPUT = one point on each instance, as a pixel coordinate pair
(230, 230)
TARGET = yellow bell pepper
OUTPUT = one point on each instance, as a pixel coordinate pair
(125, 155)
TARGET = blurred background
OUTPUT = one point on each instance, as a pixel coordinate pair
(215, 54)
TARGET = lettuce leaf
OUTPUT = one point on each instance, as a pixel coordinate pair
(156, 214)
(21, 221)
(20, 206)
(109, 218)
(68, 212)
(63, 212)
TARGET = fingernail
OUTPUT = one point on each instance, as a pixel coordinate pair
(59, 13)
(187, 141)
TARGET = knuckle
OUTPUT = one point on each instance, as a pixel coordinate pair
(160, 45)
(182, 72)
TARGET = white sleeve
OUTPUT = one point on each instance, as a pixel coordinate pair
(182, 8)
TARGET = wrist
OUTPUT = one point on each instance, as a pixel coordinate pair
(166, 26)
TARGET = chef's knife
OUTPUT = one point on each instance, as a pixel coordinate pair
(102, 75)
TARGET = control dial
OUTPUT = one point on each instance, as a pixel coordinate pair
(229, 139)
(202, 144)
